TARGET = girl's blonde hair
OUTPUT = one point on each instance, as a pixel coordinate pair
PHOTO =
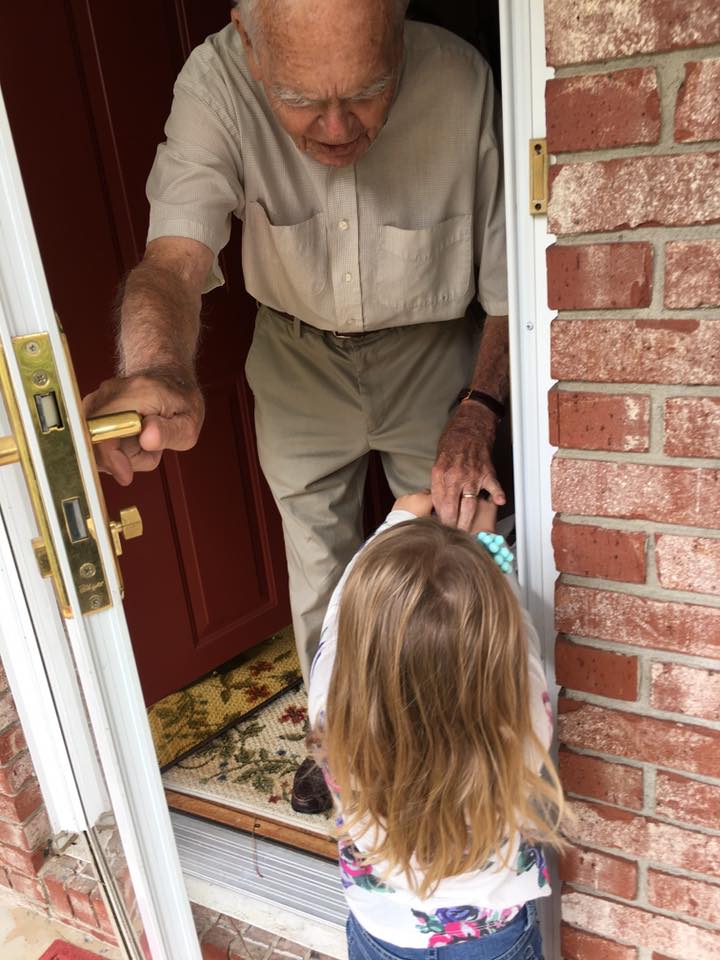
(428, 730)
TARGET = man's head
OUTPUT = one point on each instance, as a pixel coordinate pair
(329, 68)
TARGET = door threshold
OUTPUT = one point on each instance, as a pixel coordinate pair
(258, 825)
(269, 884)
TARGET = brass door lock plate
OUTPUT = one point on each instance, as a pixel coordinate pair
(44, 396)
(538, 177)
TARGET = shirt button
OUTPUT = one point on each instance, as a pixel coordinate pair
(347, 277)
(343, 224)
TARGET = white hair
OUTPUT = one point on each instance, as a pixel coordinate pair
(249, 11)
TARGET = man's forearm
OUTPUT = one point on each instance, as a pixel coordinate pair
(159, 322)
(492, 371)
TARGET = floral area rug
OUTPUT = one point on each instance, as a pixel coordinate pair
(251, 766)
(183, 721)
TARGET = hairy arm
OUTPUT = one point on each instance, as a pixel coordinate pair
(160, 311)
(157, 341)
(464, 461)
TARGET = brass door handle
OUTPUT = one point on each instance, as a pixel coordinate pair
(113, 426)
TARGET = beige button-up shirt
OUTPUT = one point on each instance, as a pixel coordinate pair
(407, 235)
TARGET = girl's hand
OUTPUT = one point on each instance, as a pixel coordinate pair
(418, 503)
(485, 517)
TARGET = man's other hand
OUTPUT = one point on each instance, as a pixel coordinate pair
(464, 465)
(172, 410)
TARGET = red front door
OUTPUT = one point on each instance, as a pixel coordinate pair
(88, 86)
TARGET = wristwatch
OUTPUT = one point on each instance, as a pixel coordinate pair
(477, 396)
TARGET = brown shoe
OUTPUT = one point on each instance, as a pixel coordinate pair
(310, 793)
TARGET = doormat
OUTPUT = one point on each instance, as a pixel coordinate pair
(59, 950)
(184, 721)
(251, 766)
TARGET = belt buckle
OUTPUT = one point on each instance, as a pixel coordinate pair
(348, 336)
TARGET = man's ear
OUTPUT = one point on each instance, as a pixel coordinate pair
(252, 58)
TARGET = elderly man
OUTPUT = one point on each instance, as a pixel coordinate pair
(360, 154)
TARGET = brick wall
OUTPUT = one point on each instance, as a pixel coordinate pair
(633, 119)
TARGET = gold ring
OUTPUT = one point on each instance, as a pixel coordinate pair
(470, 496)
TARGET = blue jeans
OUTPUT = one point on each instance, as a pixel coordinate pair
(517, 940)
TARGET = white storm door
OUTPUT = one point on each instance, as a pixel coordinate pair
(72, 671)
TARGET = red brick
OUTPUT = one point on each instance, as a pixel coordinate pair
(692, 427)
(589, 551)
(689, 801)
(586, 31)
(203, 917)
(697, 112)
(12, 742)
(624, 618)
(679, 350)
(599, 421)
(687, 690)
(15, 774)
(21, 806)
(638, 191)
(8, 713)
(689, 495)
(693, 898)
(680, 746)
(596, 671)
(3, 679)
(22, 861)
(56, 874)
(27, 887)
(221, 944)
(692, 273)
(579, 945)
(617, 921)
(602, 110)
(688, 563)
(601, 871)
(101, 911)
(600, 779)
(79, 892)
(637, 836)
(600, 275)
(35, 833)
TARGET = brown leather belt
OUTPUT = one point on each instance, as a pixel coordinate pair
(308, 326)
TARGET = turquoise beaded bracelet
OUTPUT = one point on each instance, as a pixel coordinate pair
(496, 546)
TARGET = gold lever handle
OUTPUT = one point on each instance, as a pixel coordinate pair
(114, 426)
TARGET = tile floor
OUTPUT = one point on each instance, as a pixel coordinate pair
(26, 935)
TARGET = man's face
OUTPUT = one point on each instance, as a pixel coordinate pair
(329, 69)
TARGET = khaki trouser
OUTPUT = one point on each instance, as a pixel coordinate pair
(321, 404)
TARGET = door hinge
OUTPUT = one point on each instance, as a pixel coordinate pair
(538, 177)
(44, 397)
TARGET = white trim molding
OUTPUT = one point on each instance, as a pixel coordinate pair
(524, 74)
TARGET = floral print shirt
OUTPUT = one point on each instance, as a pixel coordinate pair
(463, 907)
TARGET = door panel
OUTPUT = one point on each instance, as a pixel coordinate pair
(88, 87)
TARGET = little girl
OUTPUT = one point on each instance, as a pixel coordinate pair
(431, 720)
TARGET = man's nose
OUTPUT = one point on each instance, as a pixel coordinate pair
(337, 123)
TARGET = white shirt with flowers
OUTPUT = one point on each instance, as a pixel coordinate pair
(463, 907)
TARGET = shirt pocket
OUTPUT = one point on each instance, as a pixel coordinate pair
(284, 266)
(432, 267)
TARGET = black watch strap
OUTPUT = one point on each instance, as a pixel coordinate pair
(484, 398)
